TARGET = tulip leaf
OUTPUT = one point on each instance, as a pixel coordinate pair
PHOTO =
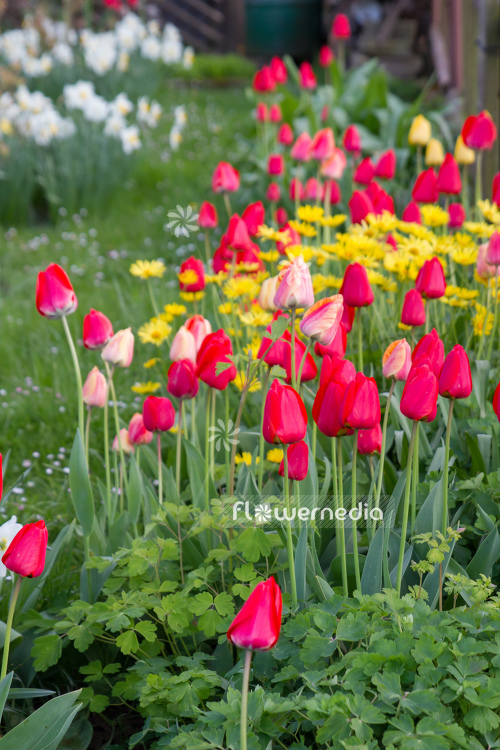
(430, 515)
(371, 580)
(480, 376)
(325, 588)
(81, 491)
(44, 729)
(301, 563)
(4, 690)
(486, 556)
(134, 495)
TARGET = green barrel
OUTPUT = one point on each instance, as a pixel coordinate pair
(276, 27)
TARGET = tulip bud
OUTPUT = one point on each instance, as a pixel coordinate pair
(281, 216)
(200, 327)
(360, 206)
(285, 416)
(337, 347)
(425, 188)
(309, 368)
(192, 274)
(335, 368)
(463, 154)
(294, 285)
(263, 80)
(479, 131)
(419, 399)
(275, 114)
(307, 79)
(457, 215)
(321, 321)
(300, 149)
(332, 191)
(429, 350)
(267, 293)
(361, 404)
(352, 140)
(449, 181)
(208, 218)
(430, 281)
(273, 193)
(182, 380)
(496, 401)
(216, 348)
(261, 112)
(327, 407)
(396, 362)
(412, 213)
(97, 330)
(364, 172)
(455, 380)
(126, 443)
(137, 432)
(183, 345)
(285, 135)
(119, 352)
(334, 167)
(420, 131)
(275, 164)
(434, 153)
(413, 312)
(313, 190)
(298, 460)
(493, 250)
(257, 625)
(370, 441)
(322, 145)
(158, 414)
(326, 56)
(341, 27)
(278, 70)
(95, 389)
(225, 179)
(386, 165)
(356, 288)
(25, 555)
(55, 297)
(253, 217)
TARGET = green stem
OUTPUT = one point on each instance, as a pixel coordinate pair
(228, 205)
(360, 340)
(207, 245)
(212, 444)
(302, 362)
(78, 375)
(353, 506)
(106, 447)
(341, 521)
(419, 159)
(178, 452)
(117, 425)
(193, 421)
(8, 629)
(415, 481)
(294, 381)
(289, 538)
(406, 506)
(244, 700)
(479, 182)
(226, 452)
(261, 438)
(207, 452)
(160, 471)
(87, 434)
(445, 472)
(152, 298)
(382, 452)
(495, 319)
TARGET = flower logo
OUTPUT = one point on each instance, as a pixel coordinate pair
(182, 221)
(263, 513)
(223, 434)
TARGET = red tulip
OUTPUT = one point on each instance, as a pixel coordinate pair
(276, 354)
(449, 181)
(313, 190)
(278, 69)
(333, 367)
(386, 165)
(324, 113)
(332, 189)
(182, 380)
(285, 416)
(275, 164)
(495, 189)
(381, 200)
(364, 172)
(360, 206)
(25, 554)
(457, 215)
(307, 78)
(352, 140)
(496, 401)
(391, 240)
(208, 218)
(370, 441)
(281, 216)
(361, 405)
(138, 435)
(97, 330)
(429, 350)
(263, 80)
(334, 167)
(237, 235)
(300, 149)
(215, 348)
(412, 214)
(309, 370)
(455, 380)
(327, 408)
(296, 189)
(158, 414)
(257, 625)
(54, 294)
(326, 56)
(275, 114)
(356, 288)
(337, 347)
(431, 282)
(479, 131)
(413, 312)
(425, 189)
(253, 216)
(493, 250)
(273, 192)
(192, 267)
(419, 399)
(225, 179)
(341, 27)
(285, 135)
(348, 317)
(322, 145)
(261, 112)
(298, 461)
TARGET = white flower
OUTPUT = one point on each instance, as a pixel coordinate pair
(96, 109)
(148, 113)
(63, 53)
(8, 531)
(115, 125)
(77, 95)
(175, 138)
(188, 58)
(151, 48)
(121, 105)
(180, 116)
(171, 51)
(130, 139)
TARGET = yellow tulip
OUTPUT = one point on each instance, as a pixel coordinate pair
(434, 153)
(420, 131)
(463, 154)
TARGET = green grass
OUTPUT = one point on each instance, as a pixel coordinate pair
(37, 398)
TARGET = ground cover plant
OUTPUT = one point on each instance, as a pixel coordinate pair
(256, 446)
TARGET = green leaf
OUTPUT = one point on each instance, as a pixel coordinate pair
(201, 603)
(44, 729)
(301, 563)
(486, 556)
(81, 491)
(371, 580)
(134, 495)
(209, 622)
(46, 651)
(253, 544)
(147, 629)
(224, 604)
(4, 690)
(352, 627)
(127, 642)
(480, 718)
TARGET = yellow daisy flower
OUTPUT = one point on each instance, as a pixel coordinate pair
(271, 256)
(275, 455)
(464, 256)
(245, 458)
(253, 347)
(174, 309)
(306, 230)
(479, 228)
(310, 214)
(191, 296)
(154, 332)
(240, 287)
(144, 388)
(256, 316)
(151, 362)
(148, 269)
(333, 221)
(240, 383)
(482, 320)
(188, 277)
(225, 308)
(490, 211)
(434, 216)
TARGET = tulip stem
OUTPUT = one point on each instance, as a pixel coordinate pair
(353, 506)
(406, 507)
(178, 452)
(479, 182)
(289, 539)
(207, 452)
(207, 246)
(445, 468)
(341, 520)
(382, 451)
(292, 357)
(302, 363)
(419, 159)
(152, 298)
(415, 481)
(117, 424)
(228, 204)
(335, 489)
(87, 434)
(244, 700)
(78, 375)
(160, 471)
(227, 455)
(261, 438)
(8, 628)
(495, 319)
(360, 340)
(106, 448)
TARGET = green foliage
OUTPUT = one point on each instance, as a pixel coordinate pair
(220, 69)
